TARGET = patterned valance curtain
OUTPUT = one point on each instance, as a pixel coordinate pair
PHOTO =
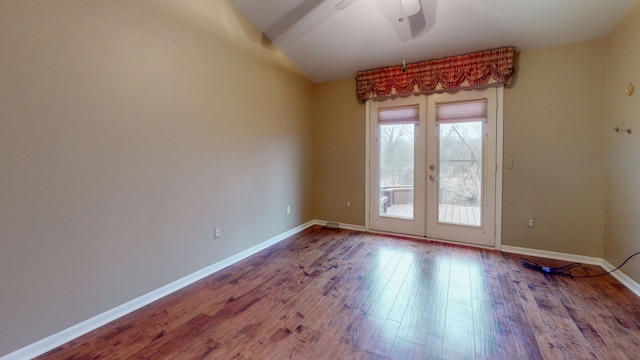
(492, 66)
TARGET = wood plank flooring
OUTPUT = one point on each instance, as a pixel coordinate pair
(340, 294)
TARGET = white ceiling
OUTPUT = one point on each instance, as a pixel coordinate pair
(329, 44)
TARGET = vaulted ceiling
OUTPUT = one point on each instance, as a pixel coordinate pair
(333, 39)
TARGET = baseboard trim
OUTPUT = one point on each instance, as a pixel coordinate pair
(51, 342)
(341, 225)
(619, 275)
(622, 277)
(552, 255)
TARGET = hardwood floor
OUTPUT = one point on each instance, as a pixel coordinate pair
(340, 294)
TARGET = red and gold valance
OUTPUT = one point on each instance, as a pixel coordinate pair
(470, 70)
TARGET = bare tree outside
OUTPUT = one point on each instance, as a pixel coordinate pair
(461, 163)
(396, 155)
(397, 169)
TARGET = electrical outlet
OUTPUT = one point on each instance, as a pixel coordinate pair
(288, 209)
(348, 204)
(531, 223)
(216, 232)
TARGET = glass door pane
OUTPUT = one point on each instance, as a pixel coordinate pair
(397, 188)
(396, 170)
(460, 175)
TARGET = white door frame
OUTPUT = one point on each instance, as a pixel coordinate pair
(416, 225)
(499, 166)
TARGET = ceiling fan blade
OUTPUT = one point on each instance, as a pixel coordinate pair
(425, 19)
(343, 4)
(417, 24)
(411, 7)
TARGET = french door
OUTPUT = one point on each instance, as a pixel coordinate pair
(397, 166)
(433, 166)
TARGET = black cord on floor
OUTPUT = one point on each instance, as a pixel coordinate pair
(566, 269)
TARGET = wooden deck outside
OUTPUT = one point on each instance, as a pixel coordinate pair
(454, 214)
(341, 294)
(463, 215)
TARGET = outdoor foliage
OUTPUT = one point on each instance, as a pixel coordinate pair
(461, 163)
(460, 167)
(396, 155)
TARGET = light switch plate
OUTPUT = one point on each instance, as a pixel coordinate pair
(509, 163)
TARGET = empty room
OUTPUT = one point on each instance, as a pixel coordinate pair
(315, 179)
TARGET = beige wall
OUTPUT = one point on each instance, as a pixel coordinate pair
(553, 122)
(622, 221)
(340, 153)
(553, 116)
(128, 129)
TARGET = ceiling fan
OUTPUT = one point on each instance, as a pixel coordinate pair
(408, 18)
(343, 4)
(411, 6)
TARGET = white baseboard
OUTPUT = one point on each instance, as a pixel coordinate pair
(341, 225)
(619, 275)
(622, 277)
(552, 255)
(49, 343)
